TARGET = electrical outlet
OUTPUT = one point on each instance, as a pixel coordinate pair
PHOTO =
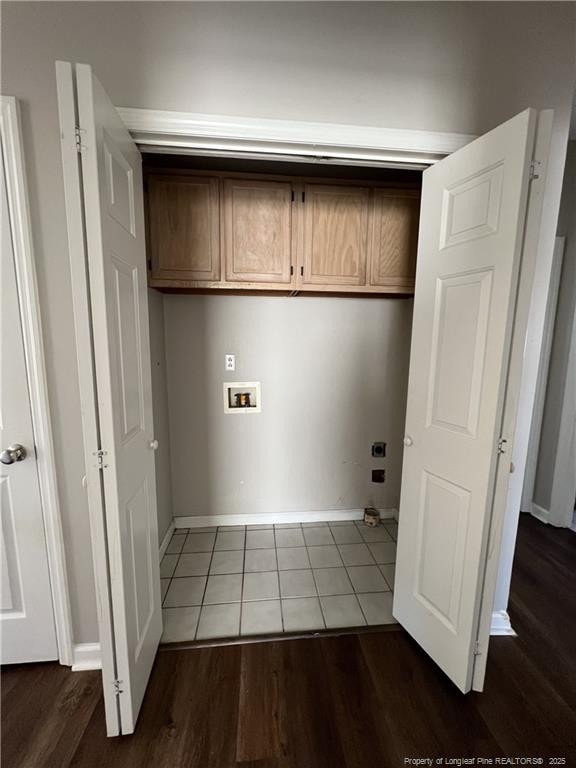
(379, 450)
(230, 362)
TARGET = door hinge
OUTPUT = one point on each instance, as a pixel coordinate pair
(502, 442)
(117, 689)
(534, 168)
(100, 458)
(78, 135)
(476, 650)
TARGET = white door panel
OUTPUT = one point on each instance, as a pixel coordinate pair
(27, 630)
(471, 231)
(114, 214)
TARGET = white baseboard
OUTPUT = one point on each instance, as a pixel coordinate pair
(540, 513)
(269, 518)
(86, 656)
(500, 625)
(166, 539)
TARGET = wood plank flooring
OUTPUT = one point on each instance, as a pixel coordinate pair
(354, 701)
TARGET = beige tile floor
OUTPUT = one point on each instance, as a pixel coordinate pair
(264, 579)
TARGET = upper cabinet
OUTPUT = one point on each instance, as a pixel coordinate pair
(335, 236)
(257, 231)
(184, 228)
(394, 239)
(249, 232)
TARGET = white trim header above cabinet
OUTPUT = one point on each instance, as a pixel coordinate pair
(264, 138)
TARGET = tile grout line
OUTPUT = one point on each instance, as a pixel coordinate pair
(280, 598)
(295, 597)
(242, 585)
(278, 572)
(206, 584)
(175, 566)
(304, 597)
(318, 598)
(279, 585)
(360, 604)
(259, 549)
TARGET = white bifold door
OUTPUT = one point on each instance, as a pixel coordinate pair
(474, 209)
(470, 247)
(109, 170)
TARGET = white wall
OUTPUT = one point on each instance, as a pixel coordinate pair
(460, 67)
(334, 375)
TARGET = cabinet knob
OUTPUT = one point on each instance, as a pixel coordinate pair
(407, 441)
(154, 445)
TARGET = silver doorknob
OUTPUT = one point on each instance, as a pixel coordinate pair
(154, 445)
(12, 454)
(407, 441)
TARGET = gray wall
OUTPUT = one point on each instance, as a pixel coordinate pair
(460, 67)
(334, 375)
(160, 403)
(561, 339)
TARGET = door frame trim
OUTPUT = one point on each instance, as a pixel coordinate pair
(18, 205)
(193, 133)
(518, 399)
(564, 478)
(297, 140)
(552, 295)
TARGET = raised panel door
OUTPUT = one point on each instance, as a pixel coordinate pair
(470, 244)
(113, 202)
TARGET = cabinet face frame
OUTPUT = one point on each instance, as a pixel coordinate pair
(377, 221)
(285, 276)
(297, 282)
(177, 274)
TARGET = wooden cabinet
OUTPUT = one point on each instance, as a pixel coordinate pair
(394, 239)
(218, 231)
(257, 231)
(335, 235)
(184, 228)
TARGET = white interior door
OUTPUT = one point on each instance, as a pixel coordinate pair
(472, 221)
(27, 630)
(114, 220)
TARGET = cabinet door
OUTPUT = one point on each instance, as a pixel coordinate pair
(257, 231)
(183, 225)
(394, 239)
(335, 235)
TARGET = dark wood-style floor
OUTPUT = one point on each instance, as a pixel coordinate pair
(354, 701)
